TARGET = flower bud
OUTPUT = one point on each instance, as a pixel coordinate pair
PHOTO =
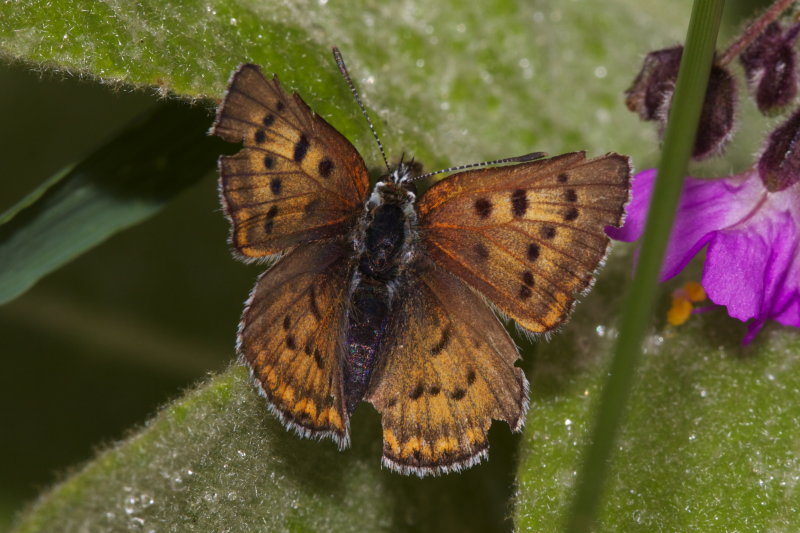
(650, 96)
(779, 165)
(653, 87)
(717, 118)
(770, 63)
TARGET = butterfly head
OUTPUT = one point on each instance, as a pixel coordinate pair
(404, 175)
(397, 187)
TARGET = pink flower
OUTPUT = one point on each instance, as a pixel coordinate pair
(752, 264)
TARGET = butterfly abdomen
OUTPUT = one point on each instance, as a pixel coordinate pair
(384, 236)
(366, 325)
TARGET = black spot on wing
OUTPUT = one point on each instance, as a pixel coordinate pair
(483, 207)
(533, 251)
(269, 223)
(312, 302)
(519, 202)
(481, 251)
(527, 278)
(417, 392)
(458, 394)
(325, 167)
(525, 292)
(547, 232)
(301, 148)
(444, 340)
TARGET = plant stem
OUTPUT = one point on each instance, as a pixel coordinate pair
(678, 143)
(754, 30)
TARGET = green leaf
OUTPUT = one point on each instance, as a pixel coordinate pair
(214, 461)
(449, 83)
(128, 180)
(710, 441)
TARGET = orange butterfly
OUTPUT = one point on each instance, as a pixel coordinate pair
(381, 297)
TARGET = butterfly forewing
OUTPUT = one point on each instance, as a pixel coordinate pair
(447, 371)
(291, 338)
(296, 179)
(530, 236)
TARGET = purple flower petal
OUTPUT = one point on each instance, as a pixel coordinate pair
(753, 267)
(753, 235)
(705, 206)
(765, 254)
(787, 309)
(736, 270)
(636, 210)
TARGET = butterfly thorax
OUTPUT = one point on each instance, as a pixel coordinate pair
(386, 232)
(384, 242)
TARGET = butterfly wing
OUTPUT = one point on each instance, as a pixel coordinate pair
(530, 236)
(296, 179)
(447, 372)
(291, 336)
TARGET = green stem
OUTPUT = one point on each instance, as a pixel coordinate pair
(754, 30)
(678, 142)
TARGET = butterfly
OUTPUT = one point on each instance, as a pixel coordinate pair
(377, 294)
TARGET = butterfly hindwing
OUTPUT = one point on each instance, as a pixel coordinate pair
(529, 237)
(296, 179)
(291, 338)
(446, 372)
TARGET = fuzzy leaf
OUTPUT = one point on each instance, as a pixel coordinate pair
(710, 443)
(214, 461)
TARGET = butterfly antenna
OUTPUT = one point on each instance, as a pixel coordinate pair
(519, 159)
(337, 55)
